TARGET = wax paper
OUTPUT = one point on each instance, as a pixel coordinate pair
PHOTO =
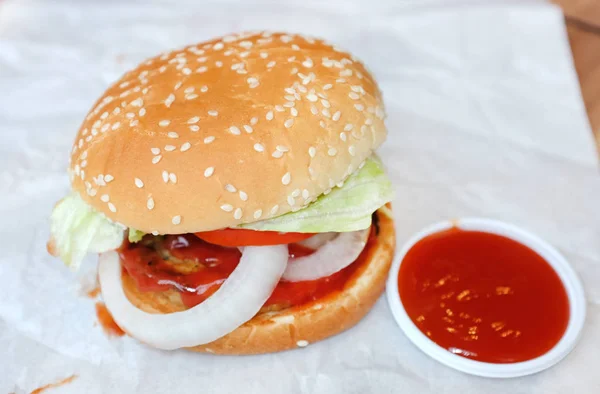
(485, 119)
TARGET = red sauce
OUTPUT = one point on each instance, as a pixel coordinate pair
(53, 385)
(106, 321)
(483, 296)
(93, 293)
(152, 273)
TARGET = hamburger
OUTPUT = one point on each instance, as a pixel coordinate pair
(233, 195)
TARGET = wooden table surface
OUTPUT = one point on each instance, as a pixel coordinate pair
(583, 27)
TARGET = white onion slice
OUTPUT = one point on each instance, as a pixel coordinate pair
(318, 240)
(332, 257)
(237, 301)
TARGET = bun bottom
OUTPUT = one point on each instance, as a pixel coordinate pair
(300, 325)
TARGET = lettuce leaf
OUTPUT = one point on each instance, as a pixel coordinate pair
(346, 208)
(77, 229)
(135, 235)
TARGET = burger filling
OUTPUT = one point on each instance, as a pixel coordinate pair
(196, 268)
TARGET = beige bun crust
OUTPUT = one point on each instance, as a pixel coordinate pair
(234, 130)
(295, 327)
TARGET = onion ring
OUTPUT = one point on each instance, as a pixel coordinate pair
(238, 300)
(330, 258)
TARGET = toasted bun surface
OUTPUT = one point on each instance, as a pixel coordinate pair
(296, 326)
(233, 130)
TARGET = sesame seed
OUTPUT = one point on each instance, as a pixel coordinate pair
(327, 87)
(271, 64)
(227, 207)
(83, 163)
(291, 202)
(305, 194)
(295, 47)
(257, 213)
(137, 102)
(169, 148)
(189, 90)
(359, 107)
(314, 110)
(204, 89)
(296, 193)
(343, 136)
(279, 108)
(164, 123)
(288, 123)
(185, 146)
(258, 147)
(312, 151)
(191, 96)
(243, 196)
(294, 111)
(115, 125)
(312, 97)
(282, 148)
(336, 116)
(165, 176)
(277, 154)
(139, 183)
(286, 179)
(230, 188)
(352, 150)
(308, 63)
(264, 55)
(194, 128)
(218, 46)
(173, 178)
(112, 207)
(237, 214)
(186, 71)
(248, 129)
(134, 123)
(202, 69)
(172, 134)
(169, 100)
(108, 178)
(234, 130)
(326, 113)
(289, 104)
(213, 113)
(155, 151)
(291, 59)
(332, 151)
(348, 127)
(269, 115)
(254, 120)
(325, 103)
(209, 171)
(322, 124)
(105, 198)
(302, 343)
(274, 209)
(176, 219)
(289, 97)
(353, 96)
(209, 139)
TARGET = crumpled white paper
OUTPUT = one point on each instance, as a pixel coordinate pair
(485, 119)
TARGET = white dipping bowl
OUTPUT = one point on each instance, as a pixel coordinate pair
(567, 275)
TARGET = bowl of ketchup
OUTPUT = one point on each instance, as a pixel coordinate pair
(486, 298)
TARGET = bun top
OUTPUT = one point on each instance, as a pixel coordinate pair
(234, 130)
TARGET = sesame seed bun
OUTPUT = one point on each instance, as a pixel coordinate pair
(297, 326)
(234, 130)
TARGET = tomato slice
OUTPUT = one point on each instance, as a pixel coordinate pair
(240, 237)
